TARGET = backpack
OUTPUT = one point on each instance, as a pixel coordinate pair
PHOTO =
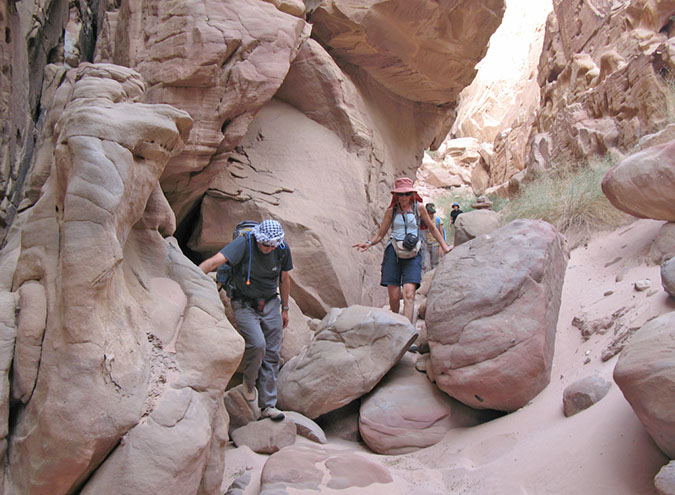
(225, 272)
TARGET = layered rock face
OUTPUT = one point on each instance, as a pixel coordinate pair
(602, 82)
(602, 75)
(474, 223)
(363, 121)
(492, 312)
(219, 61)
(35, 34)
(399, 43)
(500, 105)
(119, 335)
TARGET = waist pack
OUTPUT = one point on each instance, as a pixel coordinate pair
(257, 304)
(411, 243)
(408, 247)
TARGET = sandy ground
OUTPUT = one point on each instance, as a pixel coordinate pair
(537, 450)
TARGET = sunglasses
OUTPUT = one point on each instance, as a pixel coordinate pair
(404, 194)
(267, 244)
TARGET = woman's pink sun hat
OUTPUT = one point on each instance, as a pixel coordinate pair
(404, 185)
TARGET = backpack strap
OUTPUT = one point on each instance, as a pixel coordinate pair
(405, 224)
(277, 252)
(250, 256)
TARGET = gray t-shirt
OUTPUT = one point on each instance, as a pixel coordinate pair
(265, 268)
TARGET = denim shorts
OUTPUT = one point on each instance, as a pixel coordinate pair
(396, 271)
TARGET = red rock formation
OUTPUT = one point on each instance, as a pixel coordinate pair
(119, 335)
(601, 75)
(644, 374)
(644, 183)
(492, 312)
(219, 61)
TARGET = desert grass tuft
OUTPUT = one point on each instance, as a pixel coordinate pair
(571, 199)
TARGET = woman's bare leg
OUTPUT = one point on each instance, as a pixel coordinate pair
(409, 300)
(394, 292)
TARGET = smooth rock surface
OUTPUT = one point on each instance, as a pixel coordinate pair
(352, 350)
(645, 373)
(492, 312)
(471, 224)
(315, 468)
(644, 183)
(583, 393)
(406, 412)
(265, 436)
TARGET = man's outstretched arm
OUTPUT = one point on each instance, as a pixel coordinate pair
(209, 265)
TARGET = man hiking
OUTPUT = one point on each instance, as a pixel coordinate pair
(259, 259)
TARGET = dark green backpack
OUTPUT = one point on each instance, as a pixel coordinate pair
(225, 272)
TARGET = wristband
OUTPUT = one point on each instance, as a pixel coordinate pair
(369, 243)
(285, 308)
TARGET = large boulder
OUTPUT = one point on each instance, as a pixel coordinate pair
(492, 312)
(133, 344)
(663, 247)
(471, 224)
(668, 276)
(406, 412)
(664, 481)
(644, 183)
(354, 347)
(645, 373)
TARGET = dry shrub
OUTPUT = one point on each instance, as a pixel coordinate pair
(571, 199)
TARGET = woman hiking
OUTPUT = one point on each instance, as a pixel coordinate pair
(402, 262)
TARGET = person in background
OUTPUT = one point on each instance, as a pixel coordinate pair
(259, 260)
(455, 212)
(402, 216)
(432, 255)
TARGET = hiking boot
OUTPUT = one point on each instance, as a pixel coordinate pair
(273, 413)
(249, 392)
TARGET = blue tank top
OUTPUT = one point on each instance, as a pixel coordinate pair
(397, 227)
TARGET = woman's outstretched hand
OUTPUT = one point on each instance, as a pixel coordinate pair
(362, 246)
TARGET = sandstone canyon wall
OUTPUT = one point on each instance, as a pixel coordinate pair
(364, 95)
(604, 81)
(196, 115)
(603, 76)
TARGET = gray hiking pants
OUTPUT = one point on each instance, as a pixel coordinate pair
(262, 334)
